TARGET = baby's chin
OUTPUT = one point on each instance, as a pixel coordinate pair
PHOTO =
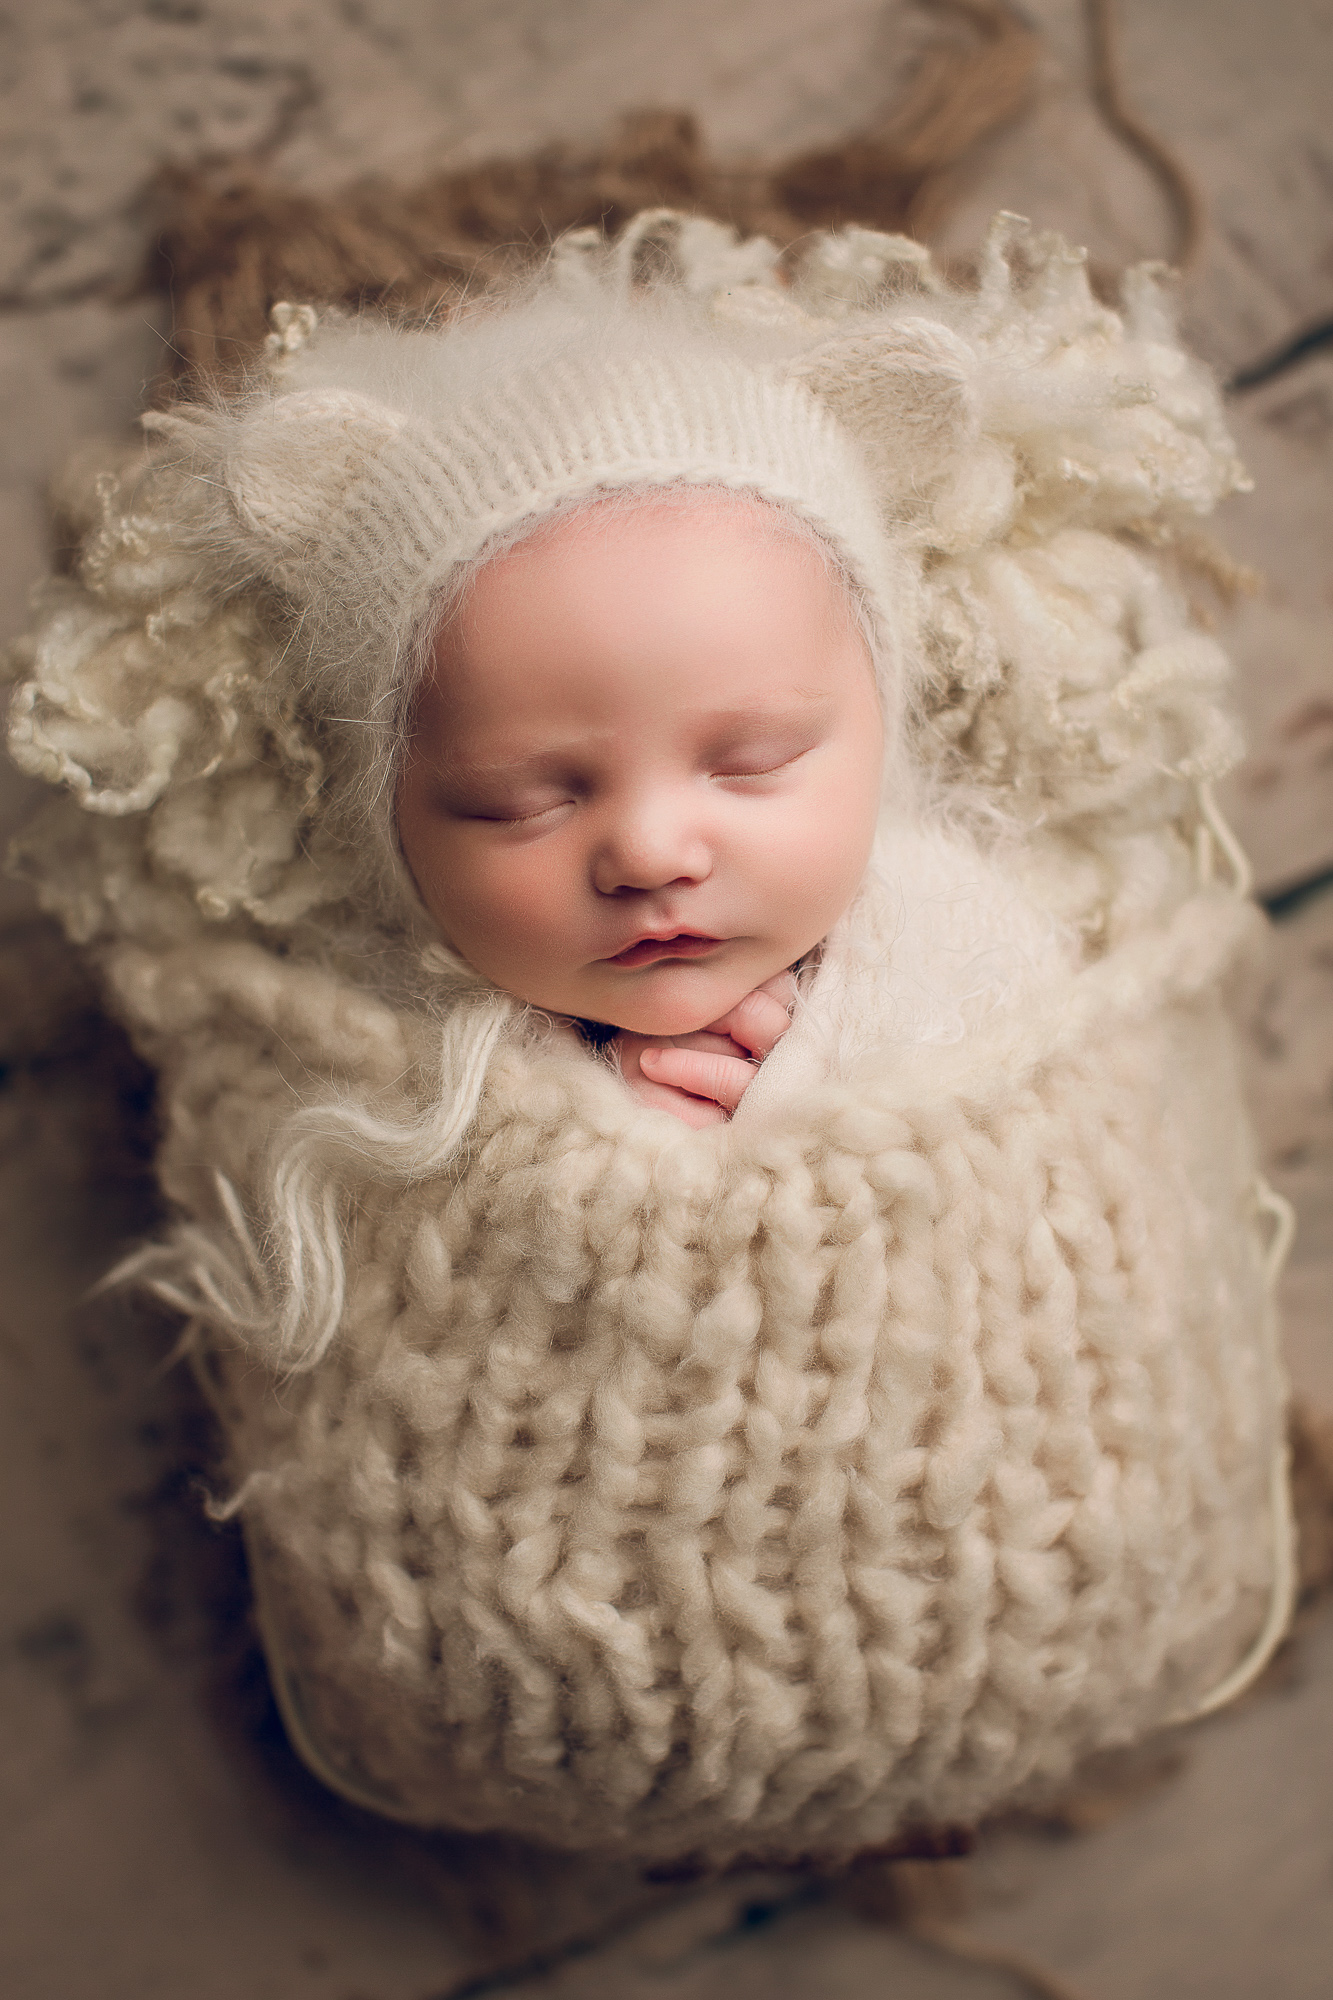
(679, 999)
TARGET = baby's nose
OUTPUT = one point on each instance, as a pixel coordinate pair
(649, 848)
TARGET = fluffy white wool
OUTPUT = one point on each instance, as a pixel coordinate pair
(866, 1462)
(868, 1459)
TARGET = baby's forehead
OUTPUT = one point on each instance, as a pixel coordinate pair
(646, 512)
(646, 551)
(680, 608)
(637, 523)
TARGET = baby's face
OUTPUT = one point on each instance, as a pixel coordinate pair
(644, 773)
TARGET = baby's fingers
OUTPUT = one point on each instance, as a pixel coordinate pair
(724, 1079)
(758, 1022)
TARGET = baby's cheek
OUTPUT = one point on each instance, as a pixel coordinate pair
(434, 868)
(522, 901)
(812, 864)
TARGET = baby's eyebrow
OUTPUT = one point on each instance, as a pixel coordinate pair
(506, 767)
(797, 709)
(715, 721)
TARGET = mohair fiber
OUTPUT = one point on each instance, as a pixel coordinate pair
(764, 1490)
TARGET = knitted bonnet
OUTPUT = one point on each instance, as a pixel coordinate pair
(374, 465)
(866, 1460)
(380, 460)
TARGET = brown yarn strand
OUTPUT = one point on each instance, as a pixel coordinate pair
(1179, 185)
(927, 1901)
(955, 1942)
(906, 176)
(1311, 1434)
(227, 249)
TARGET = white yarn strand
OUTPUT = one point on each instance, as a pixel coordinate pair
(1215, 832)
(309, 1215)
(1286, 1570)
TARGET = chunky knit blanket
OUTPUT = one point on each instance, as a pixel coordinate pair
(769, 1489)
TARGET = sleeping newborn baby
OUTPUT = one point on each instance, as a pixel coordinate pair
(544, 677)
(644, 777)
(666, 643)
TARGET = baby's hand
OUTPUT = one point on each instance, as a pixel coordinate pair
(701, 1078)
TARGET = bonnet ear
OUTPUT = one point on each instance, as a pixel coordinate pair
(299, 460)
(907, 393)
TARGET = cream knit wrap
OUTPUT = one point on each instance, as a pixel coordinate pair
(865, 1461)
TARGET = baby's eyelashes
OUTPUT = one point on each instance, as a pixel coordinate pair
(501, 797)
(534, 816)
(519, 813)
(739, 774)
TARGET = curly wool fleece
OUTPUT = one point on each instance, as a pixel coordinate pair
(865, 1461)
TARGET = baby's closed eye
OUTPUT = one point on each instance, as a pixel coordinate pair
(767, 757)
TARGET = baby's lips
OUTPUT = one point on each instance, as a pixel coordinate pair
(651, 950)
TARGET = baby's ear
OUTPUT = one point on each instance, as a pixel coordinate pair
(297, 460)
(906, 392)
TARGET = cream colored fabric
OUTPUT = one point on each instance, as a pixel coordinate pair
(864, 1464)
(765, 1489)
